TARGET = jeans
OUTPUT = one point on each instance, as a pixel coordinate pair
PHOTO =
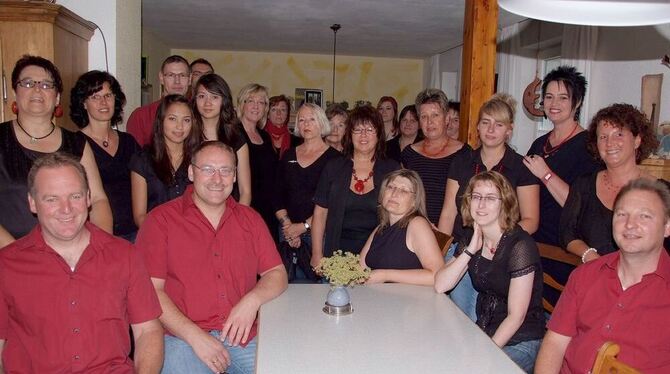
(180, 358)
(524, 353)
(464, 294)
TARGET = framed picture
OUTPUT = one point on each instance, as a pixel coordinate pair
(308, 95)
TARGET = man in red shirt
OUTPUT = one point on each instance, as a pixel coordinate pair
(175, 78)
(204, 252)
(68, 290)
(622, 297)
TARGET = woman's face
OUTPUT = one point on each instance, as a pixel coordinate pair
(409, 125)
(398, 198)
(433, 120)
(386, 111)
(308, 126)
(364, 137)
(485, 204)
(254, 107)
(616, 145)
(208, 103)
(492, 132)
(454, 124)
(177, 123)
(100, 105)
(279, 113)
(337, 125)
(36, 101)
(558, 103)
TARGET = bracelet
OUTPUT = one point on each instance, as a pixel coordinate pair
(587, 252)
(468, 253)
(546, 177)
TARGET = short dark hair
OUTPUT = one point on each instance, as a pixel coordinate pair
(574, 82)
(432, 96)
(28, 60)
(336, 109)
(624, 116)
(274, 100)
(410, 109)
(358, 116)
(87, 85)
(200, 61)
(55, 160)
(643, 184)
(175, 59)
(455, 106)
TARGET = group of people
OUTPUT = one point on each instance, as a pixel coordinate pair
(208, 190)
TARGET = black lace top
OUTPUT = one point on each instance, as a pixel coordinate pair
(516, 256)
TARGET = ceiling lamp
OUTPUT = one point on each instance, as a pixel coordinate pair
(593, 12)
(335, 27)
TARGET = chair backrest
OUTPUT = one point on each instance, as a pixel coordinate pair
(555, 253)
(607, 363)
(443, 241)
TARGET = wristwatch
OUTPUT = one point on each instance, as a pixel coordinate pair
(307, 226)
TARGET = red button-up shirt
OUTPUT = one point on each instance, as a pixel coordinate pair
(594, 309)
(141, 123)
(206, 270)
(55, 319)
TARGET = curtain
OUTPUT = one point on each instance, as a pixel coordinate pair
(432, 78)
(578, 49)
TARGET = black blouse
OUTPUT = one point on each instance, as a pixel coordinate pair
(433, 173)
(388, 250)
(516, 255)
(393, 146)
(296, 185)
(15, 163)
(157, 191)
(263, 162)
(115, 175)
(467, 164)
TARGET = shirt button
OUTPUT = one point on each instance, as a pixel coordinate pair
(218, 276)
(216, 255)
(75, 330)
(223, 296)
(608, 327)
(620, 305)
(76, 357)
(73, 302)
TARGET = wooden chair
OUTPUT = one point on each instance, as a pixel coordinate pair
(557, 254)
(443, 241)
(607, 363)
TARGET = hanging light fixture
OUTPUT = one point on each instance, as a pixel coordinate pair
(335, 27)
(593, 12)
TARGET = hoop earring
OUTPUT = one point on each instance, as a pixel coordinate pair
(58, 111)
(15, 108)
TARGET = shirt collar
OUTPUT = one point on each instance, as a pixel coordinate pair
(34, 241)
(188, 204)
(662, 270)
(507, 160)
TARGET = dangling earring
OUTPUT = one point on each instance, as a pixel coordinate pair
(15, 108)
(58, 112)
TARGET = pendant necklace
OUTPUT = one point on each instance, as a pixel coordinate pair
(34, 139)
(359, 186)
(548, 150)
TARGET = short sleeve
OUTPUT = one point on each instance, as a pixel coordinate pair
(524, 258)
(151, 242)
(526, 178)
(459, 166)
(143, 303)
(322, 193)
(139, 163)
(572, 213)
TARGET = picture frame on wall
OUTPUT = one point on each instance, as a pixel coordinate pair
(308, 95)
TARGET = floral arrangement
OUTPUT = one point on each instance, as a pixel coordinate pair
(343, 269)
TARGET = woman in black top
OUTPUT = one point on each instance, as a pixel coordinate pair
(345, 211)
(252, 104)
(409, 133)
(402, 248)
(620, 136)
(214, 115)
(159, 173)
(298, 174)
(277, 125)
(504, 263)
(432, 156)
(96, 106)
(38, 86)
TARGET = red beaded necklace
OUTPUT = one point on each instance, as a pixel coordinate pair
(548, 150)
(359, 186)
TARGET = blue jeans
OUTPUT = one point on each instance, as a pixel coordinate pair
(524, 353)
(180, 358)
(464, 294)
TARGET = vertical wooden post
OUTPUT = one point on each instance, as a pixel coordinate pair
(480, 25)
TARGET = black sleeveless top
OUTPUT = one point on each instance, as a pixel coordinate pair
(15, 163)
(388, 250)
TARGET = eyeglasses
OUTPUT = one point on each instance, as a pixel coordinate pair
(399, 190)
(276, 109)
(488, 199)
(176, 77)
(368, 130)
(209, 171)
(44, 85)
(257, 102)
(99, 98)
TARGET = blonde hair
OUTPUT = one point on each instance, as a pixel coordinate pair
(248, 90)
(419, 206)
(502, 107)
(319, 114)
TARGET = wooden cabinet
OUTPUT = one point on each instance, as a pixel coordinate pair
(47, 30)
(658, 167)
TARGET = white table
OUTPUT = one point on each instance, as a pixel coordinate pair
(394, 329)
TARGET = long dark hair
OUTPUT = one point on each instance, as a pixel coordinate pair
(160, 159)
(87, 85)
(228, 127)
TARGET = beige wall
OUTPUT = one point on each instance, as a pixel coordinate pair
(155, 50)
(357, 78)
(128, 65)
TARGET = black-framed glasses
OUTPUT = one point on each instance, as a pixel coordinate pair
(44, 85)
(367, 130)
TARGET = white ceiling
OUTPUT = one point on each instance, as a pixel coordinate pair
(393, 28)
